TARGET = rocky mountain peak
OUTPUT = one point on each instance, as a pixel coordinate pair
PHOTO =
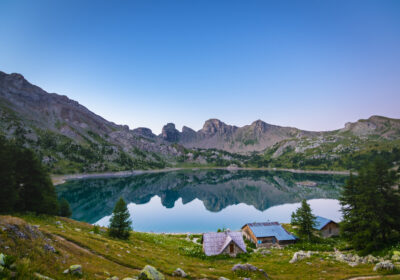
(144, 131)
(213, 126)
(170, 133)
(260, 126)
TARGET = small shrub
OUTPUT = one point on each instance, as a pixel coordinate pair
(96, 229)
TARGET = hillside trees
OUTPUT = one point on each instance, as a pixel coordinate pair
(371, 207)
(24, 184)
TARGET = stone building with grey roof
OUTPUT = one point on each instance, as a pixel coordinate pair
(228, 242)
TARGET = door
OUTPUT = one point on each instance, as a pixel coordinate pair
(231, 248)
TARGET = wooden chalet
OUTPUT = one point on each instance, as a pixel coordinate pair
(267, 234)
(326, 227)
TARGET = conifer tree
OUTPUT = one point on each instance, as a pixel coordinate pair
(120, 223)
(371, 207)
(305, 220)
(65, 210)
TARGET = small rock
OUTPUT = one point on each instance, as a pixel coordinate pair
(179, 273)
(129, 278)
(150, 273)
(66, 271)
(78, 229)
(222, 278)
(58, 223)
(353, 264)
(2, 259)
(40, 276)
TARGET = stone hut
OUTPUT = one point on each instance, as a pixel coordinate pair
(217, 243)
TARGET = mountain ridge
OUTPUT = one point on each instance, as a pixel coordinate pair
(69, 138)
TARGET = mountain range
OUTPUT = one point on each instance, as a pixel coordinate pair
(70, 138)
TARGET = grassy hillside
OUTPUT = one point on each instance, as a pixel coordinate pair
(27, 237)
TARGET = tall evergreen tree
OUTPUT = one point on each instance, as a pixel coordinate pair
(371, 207)
(304, 220)
(120, 223)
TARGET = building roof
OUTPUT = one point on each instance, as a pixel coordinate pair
(321, 222)
(214, 243)
(270, 229)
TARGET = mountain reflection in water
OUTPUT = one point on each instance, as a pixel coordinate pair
(169, 201)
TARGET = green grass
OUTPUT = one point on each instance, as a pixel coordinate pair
(103, 256)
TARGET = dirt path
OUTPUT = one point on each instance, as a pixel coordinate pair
(375, 277)
(93, 253)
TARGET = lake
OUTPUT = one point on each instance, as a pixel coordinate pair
(203, 200)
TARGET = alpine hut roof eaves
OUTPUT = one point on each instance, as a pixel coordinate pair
(214, 243)
(271, 229)
(321, 222)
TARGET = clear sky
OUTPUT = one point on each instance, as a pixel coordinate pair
(310, 64)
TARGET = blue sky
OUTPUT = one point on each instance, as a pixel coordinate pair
(309, 64)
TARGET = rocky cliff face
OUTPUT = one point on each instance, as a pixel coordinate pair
(260, 136)
(170, 133)
(217, 135)
(64, 132)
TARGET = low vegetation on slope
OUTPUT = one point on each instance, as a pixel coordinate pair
(49, 245)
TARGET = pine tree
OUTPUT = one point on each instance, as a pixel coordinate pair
(305, 220)
(120, 223)
(371, 207)
(65, 210)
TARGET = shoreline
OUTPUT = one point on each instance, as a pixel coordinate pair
(61, 179)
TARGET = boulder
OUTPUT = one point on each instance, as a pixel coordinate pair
(150, 273)
(299, 256)
(385, 265)
(246, 267)
(75, 269)
(179, 273)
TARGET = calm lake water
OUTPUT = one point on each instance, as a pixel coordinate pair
(203, 200)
